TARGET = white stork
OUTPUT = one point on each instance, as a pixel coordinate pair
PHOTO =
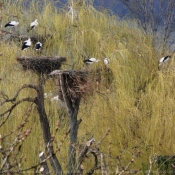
(90, 61)
(26, 44)
(38, 46)
(106, 61)
(33, 24)
(12, 24)
(164, 59)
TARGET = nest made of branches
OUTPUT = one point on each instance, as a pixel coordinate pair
(41, 65)
(77, 83)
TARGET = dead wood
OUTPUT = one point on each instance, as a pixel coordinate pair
(83, 153)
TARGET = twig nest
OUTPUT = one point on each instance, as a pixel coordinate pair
(81, 83)
(77, 82)
(41, 65)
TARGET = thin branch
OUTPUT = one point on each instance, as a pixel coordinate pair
(49, 156)
(95, 167)
(84, 152)
(150, 166)
(20, 138)
(27, 113)
(4, 159)
(28, 99)
(103, 165)
(107, 132)
(5, 119)
(17, 93)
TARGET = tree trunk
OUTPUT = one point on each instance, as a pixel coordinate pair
(72, 105)
(46, 128)
(74, 124)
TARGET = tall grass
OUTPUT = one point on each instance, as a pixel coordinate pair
(138, 106)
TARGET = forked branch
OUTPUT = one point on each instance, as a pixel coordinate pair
(8, 111)
(17, 93)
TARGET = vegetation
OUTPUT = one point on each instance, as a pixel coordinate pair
(155, 16)
(131, 118)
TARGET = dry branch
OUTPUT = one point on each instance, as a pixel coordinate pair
(154, 17)
(4, 161)
(99, 142)
(84, 152)
(125, 169)
(48, 157)
(16, 104)
(103, 165)
(16, 95)
(95, 167)
(17, 141)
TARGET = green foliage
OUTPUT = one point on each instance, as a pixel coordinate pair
(138, 105)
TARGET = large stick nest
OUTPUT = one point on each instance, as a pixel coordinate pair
(41, 65)
(79, 83)
(76, 83)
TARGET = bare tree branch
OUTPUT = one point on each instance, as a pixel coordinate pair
(83, 153)
(95, 167)
(154, 16)
(18, 139)
(5, 160)
(16, 104)
(17, 93)
(107, 132)
(103, 165)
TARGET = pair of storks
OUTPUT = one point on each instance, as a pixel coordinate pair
(28, 43)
